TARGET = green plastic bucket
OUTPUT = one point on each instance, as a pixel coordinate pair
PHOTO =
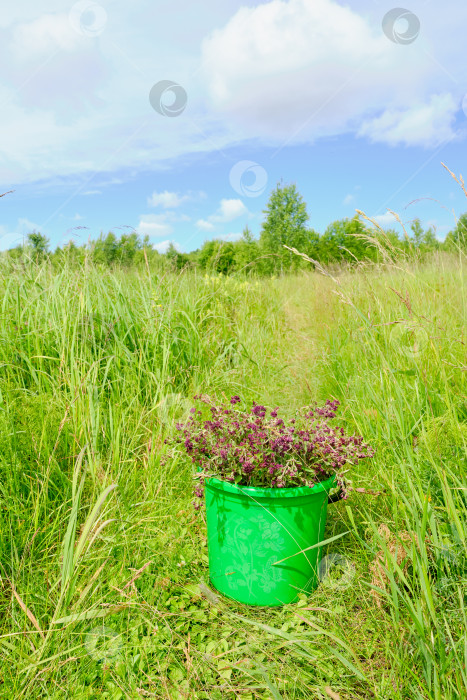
(252, 530)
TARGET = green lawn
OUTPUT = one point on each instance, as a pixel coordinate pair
(101, 553)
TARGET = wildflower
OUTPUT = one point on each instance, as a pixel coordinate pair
(254, 449)
(259, 411)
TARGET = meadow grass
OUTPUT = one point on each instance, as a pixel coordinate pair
(103, 562)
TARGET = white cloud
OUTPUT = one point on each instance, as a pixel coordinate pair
(44, 35)
(274, 71)
(387, 220)
(167, 200)
(204, 225)
(26, 226)
(298, 70)
(348, 199)
(428, 124)
(164, 246)
(153, 226)
(172, 200)
(229, 209)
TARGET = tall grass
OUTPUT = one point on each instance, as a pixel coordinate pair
(101, 555)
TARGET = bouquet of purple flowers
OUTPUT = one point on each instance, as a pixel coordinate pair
(258, 448)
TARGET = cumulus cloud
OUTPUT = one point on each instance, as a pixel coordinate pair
(274, 72)
(428, 124)
(229, 209)
(205, 225)
(167, 200)
(387, 220)
(153, 226)
(172, 200)
(43, 35)
(297, 70)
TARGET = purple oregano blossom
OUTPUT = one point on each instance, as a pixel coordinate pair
(257, 449)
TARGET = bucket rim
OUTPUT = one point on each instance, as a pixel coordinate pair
(275, 493)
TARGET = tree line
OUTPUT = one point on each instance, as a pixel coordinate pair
(285, 225)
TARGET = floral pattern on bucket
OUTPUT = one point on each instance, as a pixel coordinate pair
(248, 564)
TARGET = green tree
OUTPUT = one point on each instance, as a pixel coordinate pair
(246, 251)
(417, 233)
(70, 253)
(39, 245)
(285, 224)
(206, 254)
(218, 256)
(225, 257)
(104, 250)
(458, 236)
(127, 248)
(346, 240)
(176, 259)
(430, 242)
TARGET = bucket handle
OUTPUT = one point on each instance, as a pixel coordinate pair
(338, 496)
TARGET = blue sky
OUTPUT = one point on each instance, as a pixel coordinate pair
(176, 119)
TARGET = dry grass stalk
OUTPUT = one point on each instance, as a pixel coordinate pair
(459, 180)
(26, 610)
(137, 574)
